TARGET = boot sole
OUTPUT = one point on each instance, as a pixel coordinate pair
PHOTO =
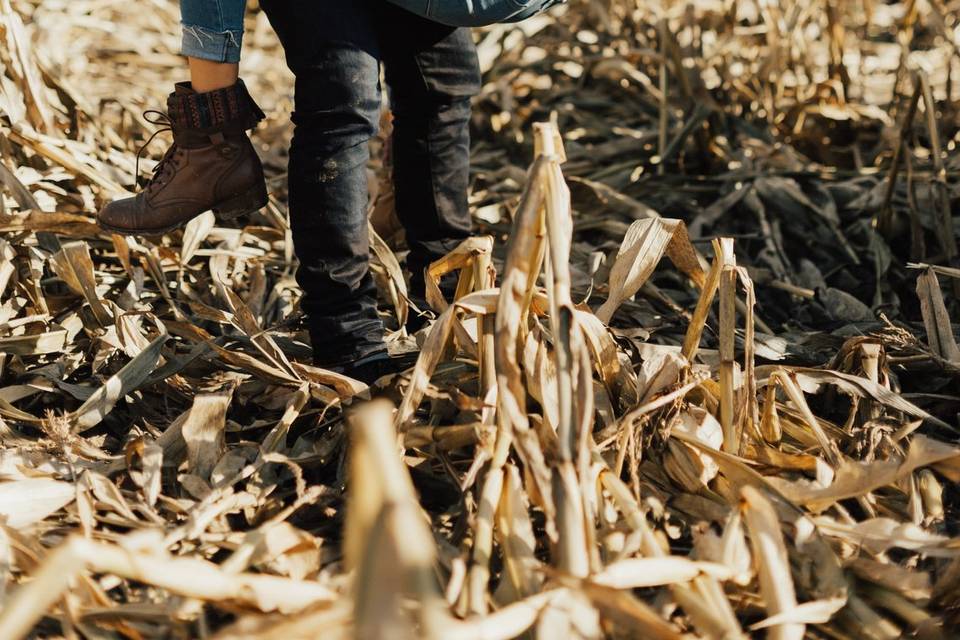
(248, 202)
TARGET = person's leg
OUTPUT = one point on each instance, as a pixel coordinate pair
(433, 73)
(206, 75)
(331, 47)
(212, 35)
(212, 165)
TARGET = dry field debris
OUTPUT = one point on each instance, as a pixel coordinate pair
(756, 436)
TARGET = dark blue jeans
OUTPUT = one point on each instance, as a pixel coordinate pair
(335, 48)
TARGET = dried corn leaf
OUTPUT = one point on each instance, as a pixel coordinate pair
(770, 562)
(104, 399)
(24, 502)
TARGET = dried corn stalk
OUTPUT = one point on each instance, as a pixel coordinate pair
(654, 468)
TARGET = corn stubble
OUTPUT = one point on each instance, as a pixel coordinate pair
(556, 544)
(600, 489)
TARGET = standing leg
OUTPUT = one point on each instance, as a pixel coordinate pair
(433, 73)
(332, 49)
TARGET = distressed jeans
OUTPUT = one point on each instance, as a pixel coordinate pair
(335, 49)
(213, 29)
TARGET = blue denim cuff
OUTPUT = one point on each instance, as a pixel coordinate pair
(216, 46)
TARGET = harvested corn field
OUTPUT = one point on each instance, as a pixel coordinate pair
(697, 377)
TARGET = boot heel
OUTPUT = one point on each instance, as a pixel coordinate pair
(252, 200)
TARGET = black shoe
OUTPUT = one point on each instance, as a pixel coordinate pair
(417, 321)
(371, 368)
(417, 294)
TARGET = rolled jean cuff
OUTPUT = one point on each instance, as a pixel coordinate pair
(216, 46)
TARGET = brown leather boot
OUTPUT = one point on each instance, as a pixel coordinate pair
(211, 165)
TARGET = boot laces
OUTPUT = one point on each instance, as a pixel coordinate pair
(165, 166)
